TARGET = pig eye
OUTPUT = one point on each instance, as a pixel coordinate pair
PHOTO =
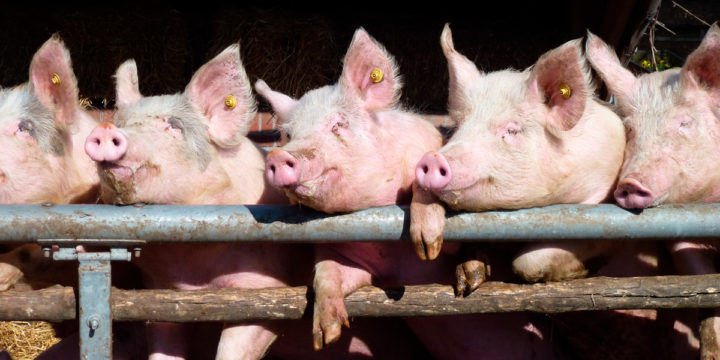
(341, 123)
(25, 126)
(174, 123)
(513, 129)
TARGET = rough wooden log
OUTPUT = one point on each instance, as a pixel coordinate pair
(697, 291)
(55, 303)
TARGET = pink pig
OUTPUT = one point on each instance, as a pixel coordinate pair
(191, 148)
(351, 148)
(672, 120)
(42, 129)
(525, 138)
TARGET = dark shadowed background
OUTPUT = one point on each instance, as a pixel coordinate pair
(299, 46)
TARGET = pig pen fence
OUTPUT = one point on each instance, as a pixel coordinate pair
(121, 231)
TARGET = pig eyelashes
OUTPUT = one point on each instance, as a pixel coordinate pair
(341, 123)
(26, 126)
(175, 123)
(511, 131)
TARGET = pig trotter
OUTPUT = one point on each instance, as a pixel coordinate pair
(9, 275)
(328, 318)
(470, 275)
(427, 221)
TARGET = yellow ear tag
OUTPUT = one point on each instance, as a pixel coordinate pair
(376, 75)
(565, 91)
(56, 79)
(230, 101)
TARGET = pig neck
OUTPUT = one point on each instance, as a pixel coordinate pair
(589, 160)
(82, 185)
(237, 176)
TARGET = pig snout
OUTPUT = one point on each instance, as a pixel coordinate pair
(631, 194)
(106, 143)
(433, 172)
(281, 168)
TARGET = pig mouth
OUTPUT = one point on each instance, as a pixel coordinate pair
(116, 174)
(307, 189)
(455, 196)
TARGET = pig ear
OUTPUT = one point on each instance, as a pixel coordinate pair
(127, 91)
(561, 80)
(702, 67)
(222, 91)
(619, 80)
(370, 73)
(463, 75)
(53, 80)
(281, 103)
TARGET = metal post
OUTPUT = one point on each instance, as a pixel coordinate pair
(95, 318)
(94, 303)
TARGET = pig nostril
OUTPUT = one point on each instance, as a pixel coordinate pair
(97, 141)
(115, 141)
(425, 169)
(290, 164)
(272, 168)
(624, 194)
(443, 172)
(643, 193)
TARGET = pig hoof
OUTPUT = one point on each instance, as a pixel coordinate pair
(470, 275)
(328, 319)
(9, 276)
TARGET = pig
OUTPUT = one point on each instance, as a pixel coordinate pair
(352, 147)
(191, 148)
(525, 138)
(671, 119)
(42, 129)
(534, 138)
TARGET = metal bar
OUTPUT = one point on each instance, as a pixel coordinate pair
(169, 223)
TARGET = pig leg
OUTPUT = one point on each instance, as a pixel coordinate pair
(10, 264)
(254, 341)
(427, 221)
(697, 258)
(559, 261)
(168, 341)
(333, 280)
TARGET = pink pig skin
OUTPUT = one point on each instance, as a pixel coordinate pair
(672, 119)
(352, 148)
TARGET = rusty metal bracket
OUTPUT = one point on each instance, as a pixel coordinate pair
(94, 303)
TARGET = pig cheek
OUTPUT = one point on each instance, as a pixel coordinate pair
(30, 176)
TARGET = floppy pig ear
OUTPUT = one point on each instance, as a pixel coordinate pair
(281, 103)
(222, 91)
(53, 80)
(463, 74)
(561, 79)
(702, 67)
(370, 73)
(126, 84)
(619, 80)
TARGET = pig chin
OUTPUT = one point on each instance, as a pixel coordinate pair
(461, 196)
(120, 182)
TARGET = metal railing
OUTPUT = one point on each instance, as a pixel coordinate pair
(118, 228)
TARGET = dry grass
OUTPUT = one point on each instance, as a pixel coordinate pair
(25, 340)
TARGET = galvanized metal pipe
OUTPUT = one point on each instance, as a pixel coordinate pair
(168, 223)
